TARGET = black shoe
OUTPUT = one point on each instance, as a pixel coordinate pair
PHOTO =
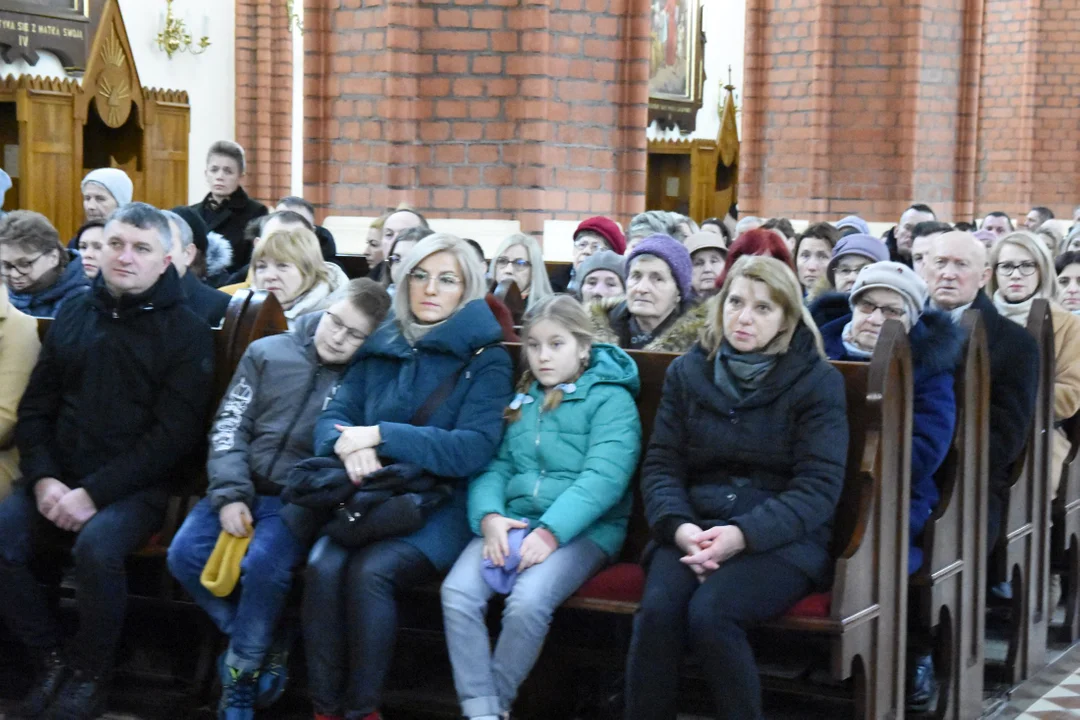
(51, 678)
(82, 698)
(922, 685)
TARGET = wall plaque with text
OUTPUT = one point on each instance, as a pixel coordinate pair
(61, 27)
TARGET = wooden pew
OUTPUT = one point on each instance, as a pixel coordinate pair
(947, 594)
(355, 266)
(1022, 555)
(510, 294)
(1065, 534)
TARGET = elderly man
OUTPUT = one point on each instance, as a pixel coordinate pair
(956, 273)
(117, 401)
(204, 301)
(396, 223)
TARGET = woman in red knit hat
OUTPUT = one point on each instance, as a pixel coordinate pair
(592, 236)
(756, 242)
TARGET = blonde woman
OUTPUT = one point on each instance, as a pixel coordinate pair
(740, 483)
(519, 258)
(289, 264)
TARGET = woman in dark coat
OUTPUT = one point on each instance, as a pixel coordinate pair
(740, 482)
(441, 325)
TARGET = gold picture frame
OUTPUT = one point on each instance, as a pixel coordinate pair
(676, 63)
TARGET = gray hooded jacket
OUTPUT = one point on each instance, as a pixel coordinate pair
(265, 423)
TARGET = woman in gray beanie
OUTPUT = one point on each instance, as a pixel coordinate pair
(603, 275)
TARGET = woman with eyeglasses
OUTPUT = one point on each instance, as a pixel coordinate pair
(514, 260)
(1024, 270)
(40, 273)
(427, 392)
(399, 250)
(828, 299)
(590, 237)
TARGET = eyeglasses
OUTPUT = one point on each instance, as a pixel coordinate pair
(446, 281)
(891, 313)
(587, 244)
(1026, 268)
(354, 336)
(20, 267)
(502, 262)
(394, 259)
(845, 271)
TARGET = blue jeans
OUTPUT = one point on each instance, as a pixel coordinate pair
(487, 682)
(98, 551)
(250, 615)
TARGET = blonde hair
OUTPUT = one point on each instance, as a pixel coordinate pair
(1039, 253)
(472, 273)
(300, 247)
(568, 313)
(784, 290)
(539, 285)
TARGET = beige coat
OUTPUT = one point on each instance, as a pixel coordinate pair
(19, 346)
(1066, 380)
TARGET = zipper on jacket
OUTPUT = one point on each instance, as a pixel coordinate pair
(292, 424)
(539, 462)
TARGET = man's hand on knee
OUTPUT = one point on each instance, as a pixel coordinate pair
(47, 492)
(73, 511)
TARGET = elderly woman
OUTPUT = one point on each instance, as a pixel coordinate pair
(1023, 270)
(707, 254)
(516, 259)
(657, 314)
(659, 222)
(603, 275)
(89, 241)
(19, 346)
(829, 297)
(38, 271)
(104, 190)
(289, 264)
(1068, 279)
(756, 242)
(740, 484)
(593, 235)
(813, 251)
(427, 390)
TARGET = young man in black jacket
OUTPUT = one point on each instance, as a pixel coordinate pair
(119, 397)
(227, 209)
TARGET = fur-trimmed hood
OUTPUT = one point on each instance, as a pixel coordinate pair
(218, 253)
(610, 318)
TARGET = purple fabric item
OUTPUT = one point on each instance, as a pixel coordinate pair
(674, 254)
(501, 579)
(854, 221)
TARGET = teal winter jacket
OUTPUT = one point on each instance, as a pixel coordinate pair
(569, 469)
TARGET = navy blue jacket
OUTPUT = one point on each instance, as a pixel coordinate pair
(772, 463)
(937, 347)
(46, 303)
(389, 381)
(208, 303)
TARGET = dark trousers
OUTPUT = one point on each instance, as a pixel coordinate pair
(711, 619)
(98, 552)
(350, 619)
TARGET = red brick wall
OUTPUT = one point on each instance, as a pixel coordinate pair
(858, 107)
(264, 97)
(526, 109)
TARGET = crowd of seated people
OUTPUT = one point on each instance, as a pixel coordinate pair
(399, 385)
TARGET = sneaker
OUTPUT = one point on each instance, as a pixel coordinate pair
(274, 674)
(921, 684)
(83, 697)
(48, 684)
(238, 689)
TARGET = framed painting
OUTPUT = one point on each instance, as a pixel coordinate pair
(676, 63)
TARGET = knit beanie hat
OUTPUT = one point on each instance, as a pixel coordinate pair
(222, 570)
(854, 221)
(674, 254)
(115, 181)
(898, 278)
(607, 229)
(603, 260)
(866, 246)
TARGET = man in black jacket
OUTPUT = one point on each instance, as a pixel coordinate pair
(227, 209)
(956, 273)
(119, 397)
(206, 302)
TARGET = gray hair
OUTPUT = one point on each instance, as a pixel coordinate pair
(472, 272)
(186, 235)
(748, 223)
(540, 287)
(144, 217)
(662, 222)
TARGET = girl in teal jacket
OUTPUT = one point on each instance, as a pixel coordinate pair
(550, 510)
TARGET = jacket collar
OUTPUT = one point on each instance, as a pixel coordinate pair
(472, 327)
(72, 277)
(167, 291)
(237, 201)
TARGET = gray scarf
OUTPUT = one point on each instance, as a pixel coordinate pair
(740, 374)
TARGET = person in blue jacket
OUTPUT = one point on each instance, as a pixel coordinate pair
(441, 327)
(893, 291)
(40, 273)
(560, 485)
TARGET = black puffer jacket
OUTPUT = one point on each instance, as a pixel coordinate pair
(120, 394)
(772, 463)
(229, 219)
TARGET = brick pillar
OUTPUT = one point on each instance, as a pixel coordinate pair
(852, 107)
(1029, 137)
(264, 97)
(524, 109)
